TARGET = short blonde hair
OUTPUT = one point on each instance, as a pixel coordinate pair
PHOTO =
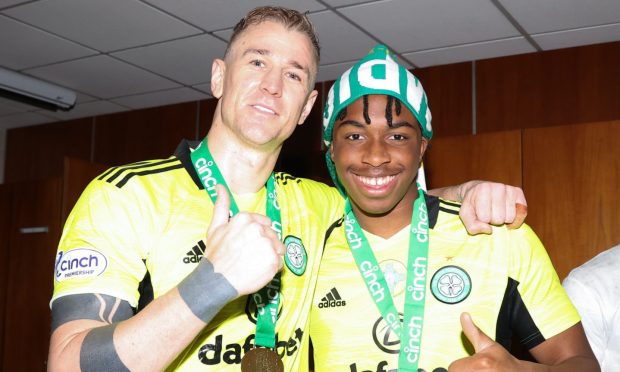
(289, 18)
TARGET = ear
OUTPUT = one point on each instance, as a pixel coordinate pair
(331, 151)
(218, 69)
(423, 146)
(308, 106)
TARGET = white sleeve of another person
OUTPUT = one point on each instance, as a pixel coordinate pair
(594, 288)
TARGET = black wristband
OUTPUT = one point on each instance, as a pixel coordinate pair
(98, 352)
(206, 292)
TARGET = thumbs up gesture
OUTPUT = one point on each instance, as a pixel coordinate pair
(243, 248)
(489, 356)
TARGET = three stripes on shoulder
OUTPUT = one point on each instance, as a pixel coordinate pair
(120, 175)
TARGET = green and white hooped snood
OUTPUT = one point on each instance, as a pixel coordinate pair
(377, 73)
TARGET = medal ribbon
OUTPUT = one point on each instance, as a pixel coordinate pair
(413, 318)
(268, 298)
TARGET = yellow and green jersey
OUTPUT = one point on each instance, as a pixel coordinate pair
(504, 280)
(138, 230)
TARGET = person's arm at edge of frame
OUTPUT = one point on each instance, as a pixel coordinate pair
(589, 304)
(145, 341)
(567, 351)
(149, 341)
(485, 203)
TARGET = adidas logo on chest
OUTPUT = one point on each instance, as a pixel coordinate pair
(332, 299)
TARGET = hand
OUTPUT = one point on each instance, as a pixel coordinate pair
(489, 203)
(244, 249)
(489, 356)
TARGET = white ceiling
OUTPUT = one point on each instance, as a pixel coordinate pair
(128, 54)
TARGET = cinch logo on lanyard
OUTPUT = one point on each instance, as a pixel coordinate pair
(413, 318)
(267, 299)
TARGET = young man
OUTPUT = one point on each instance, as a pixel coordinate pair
(399, 272)
(136, 238)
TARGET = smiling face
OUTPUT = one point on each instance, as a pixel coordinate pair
(377, 153)
(265, 84)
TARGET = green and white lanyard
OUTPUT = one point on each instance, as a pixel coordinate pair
(268, 298)
(413, 314)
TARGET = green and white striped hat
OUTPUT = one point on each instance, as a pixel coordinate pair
(377, 73)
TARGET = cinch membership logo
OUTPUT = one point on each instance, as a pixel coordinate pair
(296, 257)
(451, 285)
(81, 262)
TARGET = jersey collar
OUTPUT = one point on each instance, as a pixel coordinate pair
(182, 153)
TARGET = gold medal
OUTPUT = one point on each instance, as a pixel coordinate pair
(261, 359)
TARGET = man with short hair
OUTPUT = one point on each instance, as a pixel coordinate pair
(138, 283)
(400, 277)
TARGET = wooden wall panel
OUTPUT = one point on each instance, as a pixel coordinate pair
(151, 133)
(5, 228)
(449, 91)
(30, 275)
(490, 156)
(571, 180)
(38, 152)
(564, 86)
(76, 176)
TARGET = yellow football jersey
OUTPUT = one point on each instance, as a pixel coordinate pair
(504, 280)
(141, 228)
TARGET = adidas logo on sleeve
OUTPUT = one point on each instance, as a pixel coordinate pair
(332, 299)
(195, 254)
